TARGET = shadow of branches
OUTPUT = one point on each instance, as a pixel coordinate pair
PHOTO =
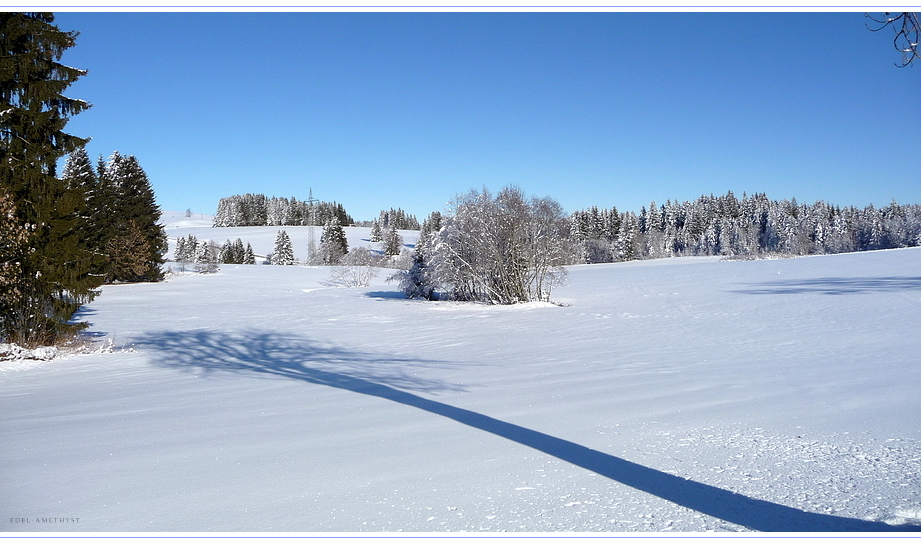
(836, 286)
(289, 356)
(386, 378)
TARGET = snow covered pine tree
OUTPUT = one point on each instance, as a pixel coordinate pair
(284, 253)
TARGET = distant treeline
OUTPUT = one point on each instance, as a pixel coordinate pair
(255, 210)
(394, 218)
(751, 227)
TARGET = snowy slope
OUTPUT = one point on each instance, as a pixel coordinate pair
(262, 239)
(676, 395)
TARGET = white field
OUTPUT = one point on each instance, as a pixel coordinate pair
(675, 395)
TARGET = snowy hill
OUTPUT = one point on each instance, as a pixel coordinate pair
(677, 395)
(263, 238)
(177, 220)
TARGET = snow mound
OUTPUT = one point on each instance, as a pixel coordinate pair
(17, 358)
(14, 357)
(15, 352)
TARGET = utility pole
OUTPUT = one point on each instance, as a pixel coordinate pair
(311, 234)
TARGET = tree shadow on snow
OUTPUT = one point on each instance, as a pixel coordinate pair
(836, 286)
(297, 358)
(387, 295)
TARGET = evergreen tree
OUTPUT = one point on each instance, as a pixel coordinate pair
(226, 256)
(186, 251)
(54, 266)
(78, 175)
(416, 282)
(180, 249)
(127, 254)
(13, 238)
(625, 244)
(284, 253)
(206, 257)
(131, 206)
(239, 252)
(376, 234)
(248, 256)
(333, 244)
(393, 242)
(431, 225)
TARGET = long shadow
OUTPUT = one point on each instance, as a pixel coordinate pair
(836, 286)
(297, 358)
(387, 295)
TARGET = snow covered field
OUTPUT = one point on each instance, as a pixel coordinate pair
(676, 395)
(262, 239)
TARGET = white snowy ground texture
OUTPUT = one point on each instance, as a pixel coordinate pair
(674, 395)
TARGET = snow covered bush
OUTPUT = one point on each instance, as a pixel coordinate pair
(356, 269)
(13, 352)
(501, 250)
(415, 281)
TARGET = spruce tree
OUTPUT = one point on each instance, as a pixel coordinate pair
(55, 267)
(376, 234)
(78, 175)
(226, 256)
(333, 243)
(284, 253)
(393, 242)
(239, 253)
(206, 257)
(186, 251)
(13, 238)
(127, 203)
(248, 256)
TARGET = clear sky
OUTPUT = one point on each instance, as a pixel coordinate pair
(380, 110)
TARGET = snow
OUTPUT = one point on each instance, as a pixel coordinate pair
(262, 239)
(674, 395)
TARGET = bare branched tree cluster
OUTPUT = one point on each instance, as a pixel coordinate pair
(907, 30)
(503, 250)
(356, 269)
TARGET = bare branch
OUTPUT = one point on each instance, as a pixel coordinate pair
(907, 30)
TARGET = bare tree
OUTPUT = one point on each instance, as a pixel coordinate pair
(356, 269)
(500, 250)
(907, 30)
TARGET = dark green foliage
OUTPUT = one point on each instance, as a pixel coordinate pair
(233, 252)
(54, 274)
(123, 206)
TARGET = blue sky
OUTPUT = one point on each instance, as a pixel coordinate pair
(380, 110)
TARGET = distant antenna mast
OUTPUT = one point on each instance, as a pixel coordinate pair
(311, 234)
